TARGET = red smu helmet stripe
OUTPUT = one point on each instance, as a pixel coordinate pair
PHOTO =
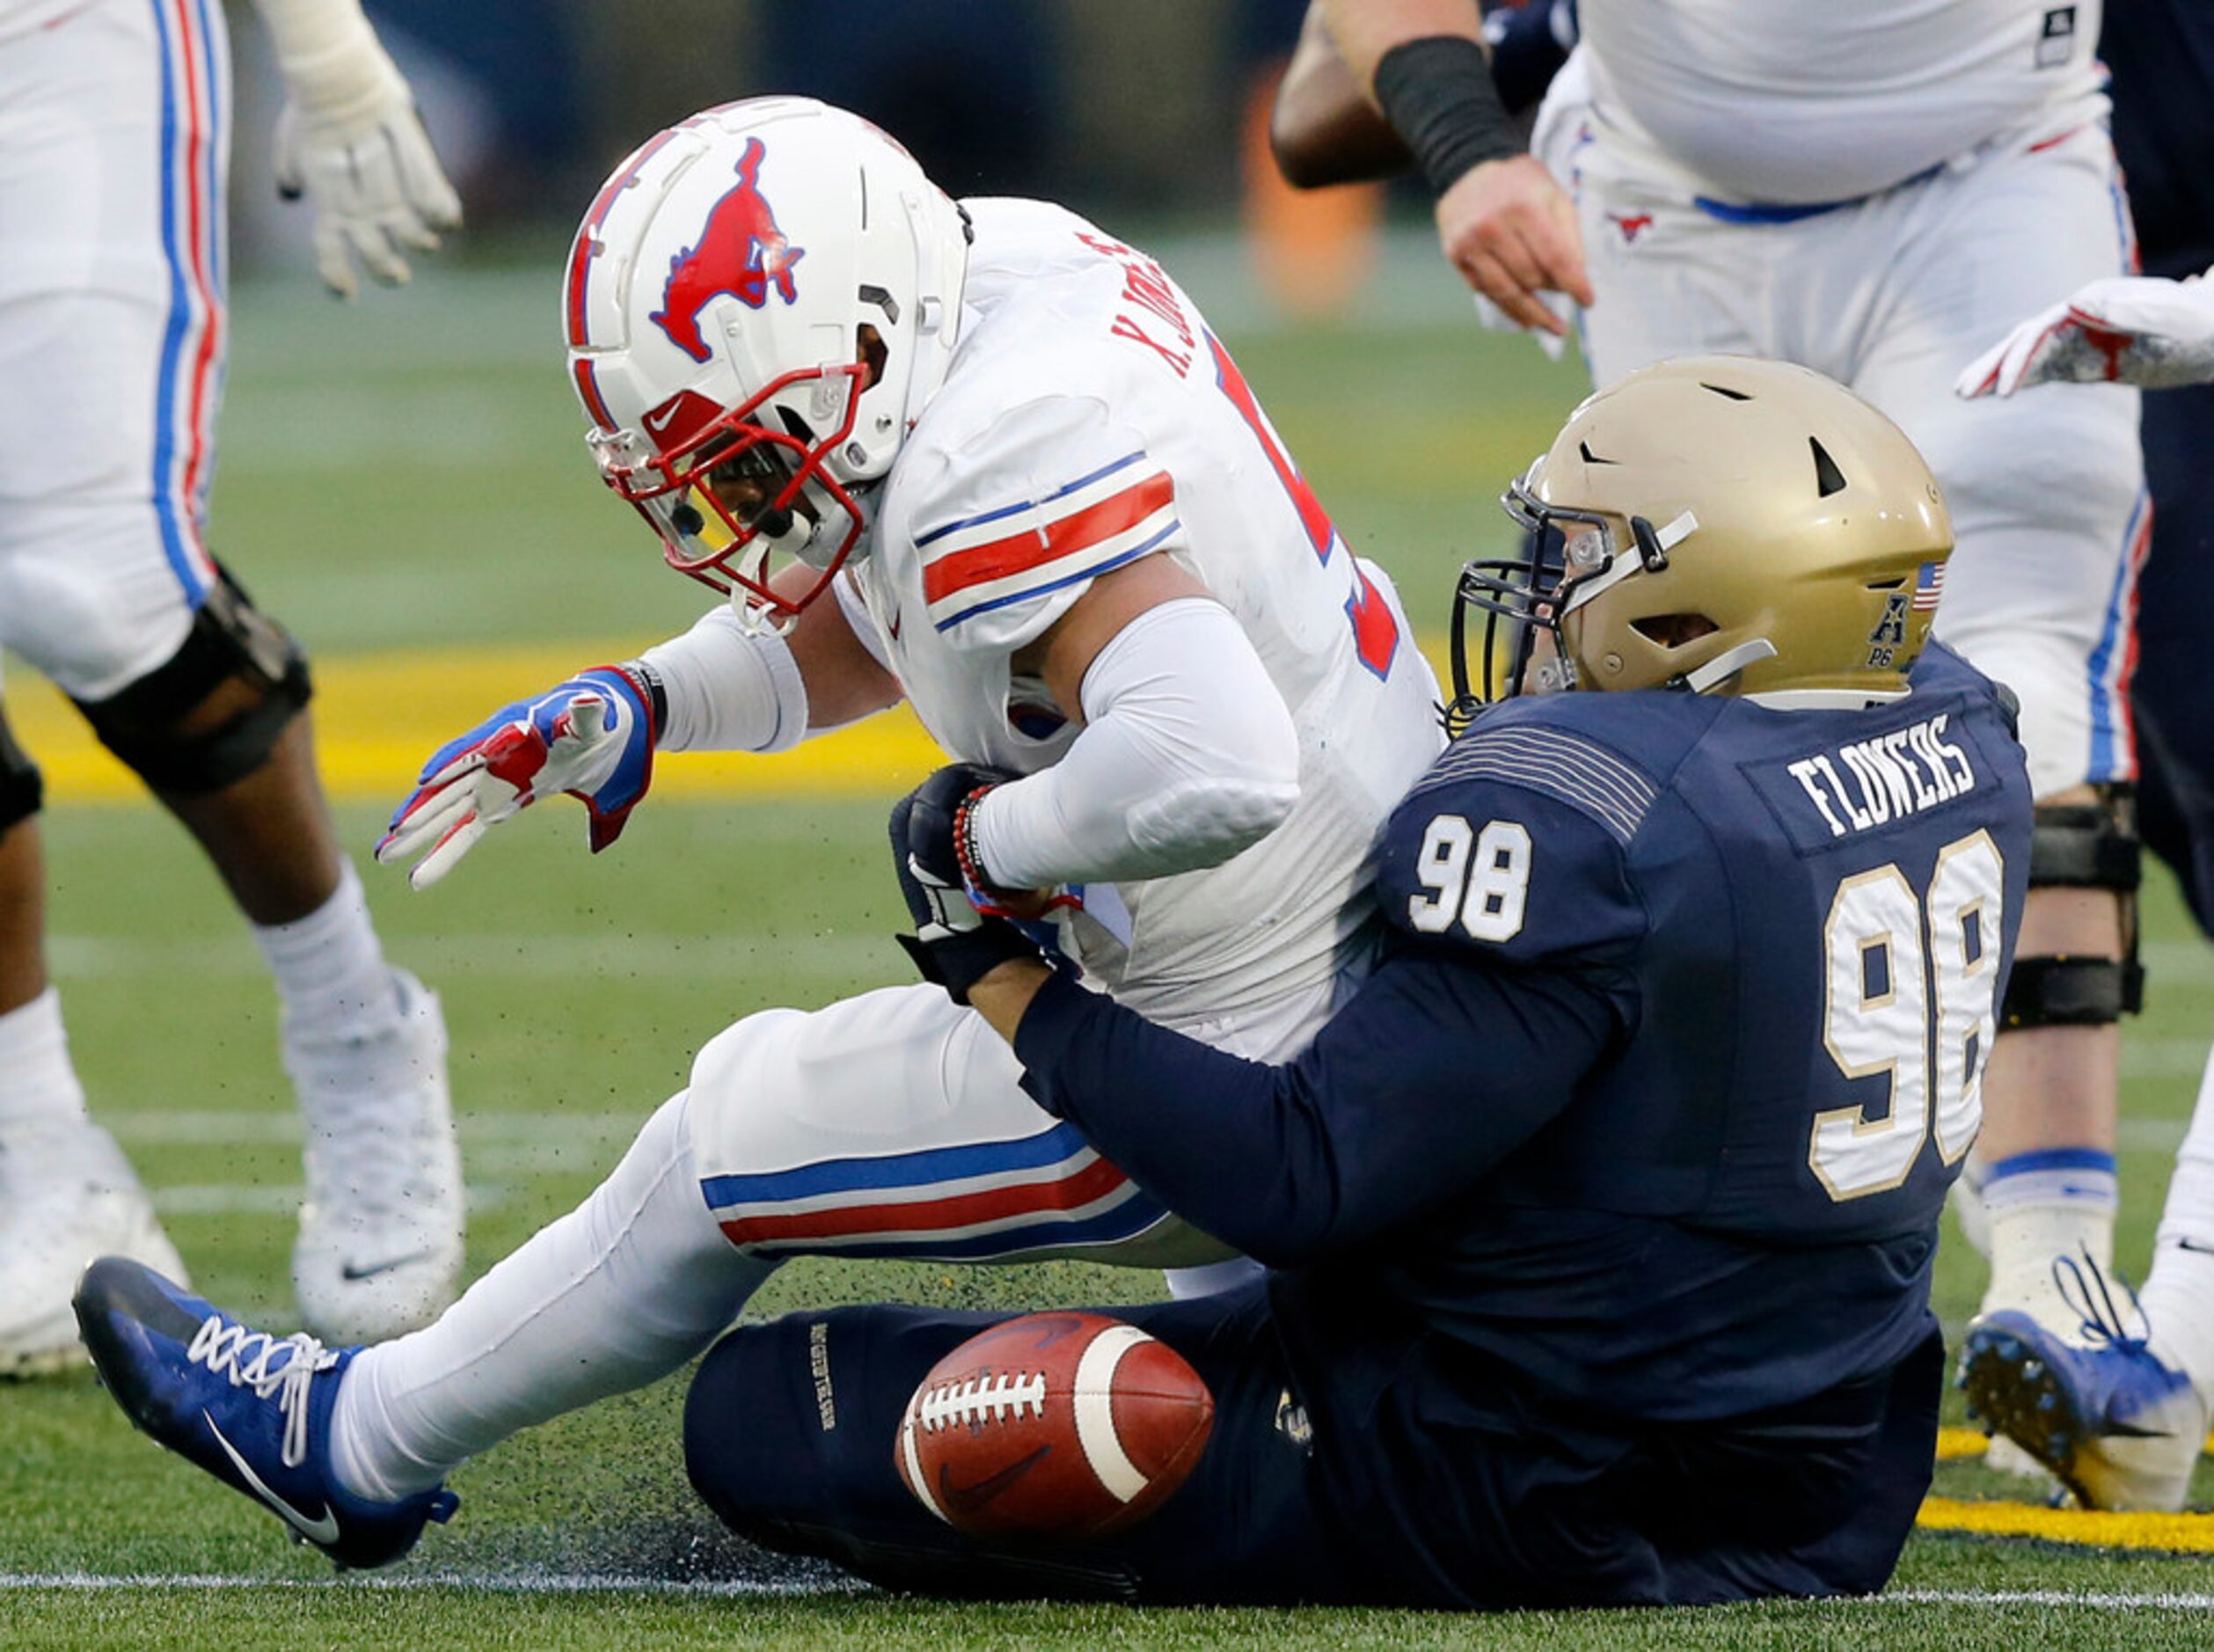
(586, 241)
(587, 386)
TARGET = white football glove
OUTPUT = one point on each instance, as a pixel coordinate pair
(349, 140)
(2128, 330)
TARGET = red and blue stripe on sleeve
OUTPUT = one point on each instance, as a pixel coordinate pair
(1099, 521)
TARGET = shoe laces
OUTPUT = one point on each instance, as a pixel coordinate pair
(249, 1359)
(2084, 1291)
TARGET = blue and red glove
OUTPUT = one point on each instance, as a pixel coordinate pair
(591, 736)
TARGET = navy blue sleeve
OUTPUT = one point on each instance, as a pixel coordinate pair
(1529, 44)
(1438, 1069)
(1514, 848)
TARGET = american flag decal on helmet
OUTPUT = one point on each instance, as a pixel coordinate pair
(1929, 585)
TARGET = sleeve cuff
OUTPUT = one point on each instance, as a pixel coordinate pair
(1055, 1019)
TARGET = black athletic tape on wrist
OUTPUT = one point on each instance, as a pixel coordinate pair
(1437, 94)
(656, 695)
(957, 961)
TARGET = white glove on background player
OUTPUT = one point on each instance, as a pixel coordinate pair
(2129, 329)
(349, 140)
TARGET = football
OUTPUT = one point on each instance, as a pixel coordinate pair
(1052, 1425)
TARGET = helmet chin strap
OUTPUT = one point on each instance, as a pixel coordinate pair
(1622, 566)
(1728, 664)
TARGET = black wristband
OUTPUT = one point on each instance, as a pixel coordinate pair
(1438, 95)
(958, 960)
(656, 695)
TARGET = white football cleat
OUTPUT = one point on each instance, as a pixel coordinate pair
(2120, 1427)
(67, 1195)
(2117, 1424)
(380, 1246)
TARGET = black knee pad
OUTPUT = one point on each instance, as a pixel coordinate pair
(21, 790)
(2082, 846)
(230, 640)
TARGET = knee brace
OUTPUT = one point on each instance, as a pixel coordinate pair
(21, 790)
(231, 640)
(2082, 846)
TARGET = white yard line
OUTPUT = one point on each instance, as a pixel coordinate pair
(2163, 1601)
(2180, 962)
(549, 1582)
(2184, 966)
(498, 1148)
(514, 1127)
(224, 1198)
(524, 957)
(531, 1582)
(2163, 1058)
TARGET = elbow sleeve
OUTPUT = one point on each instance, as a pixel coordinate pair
(730, 689)
(1189, 755)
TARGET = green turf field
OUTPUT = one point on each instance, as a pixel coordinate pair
(408, 474)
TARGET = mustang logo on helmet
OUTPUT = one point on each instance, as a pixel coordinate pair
(741, 252)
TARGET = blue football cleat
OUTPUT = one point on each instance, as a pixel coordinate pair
(251, 1409)
(2119, 1427)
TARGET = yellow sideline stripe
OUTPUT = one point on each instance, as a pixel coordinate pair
(2182, 1534)
(1953, 1444)
(378, 715)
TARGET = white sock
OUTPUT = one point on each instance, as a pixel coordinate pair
(2179, 1297)
(2059, 1202)
(330, 969)
(616, 1294)
(38, 1084)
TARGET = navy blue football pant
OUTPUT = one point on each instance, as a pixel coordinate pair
(790, 1427)
(2170, 695)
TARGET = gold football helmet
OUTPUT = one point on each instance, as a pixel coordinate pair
(1719, 524)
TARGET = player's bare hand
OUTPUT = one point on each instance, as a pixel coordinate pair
(1511, 232)
(2127, 330)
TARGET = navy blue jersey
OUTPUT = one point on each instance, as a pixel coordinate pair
(1802, 919)
(1600, 1219)
(1657, 1100)
(2161, 54)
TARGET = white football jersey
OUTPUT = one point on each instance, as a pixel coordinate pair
(1793, 102)
(20, 17)
(1089, 419)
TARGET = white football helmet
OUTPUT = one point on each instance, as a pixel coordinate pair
(715, 305)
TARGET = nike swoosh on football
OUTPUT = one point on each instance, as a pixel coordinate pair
(323, 1530)
(967, 1499)
(354, 1276)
